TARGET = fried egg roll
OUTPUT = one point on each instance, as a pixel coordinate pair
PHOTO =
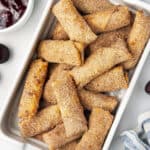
(48, 93)
(45, 120)
(113, 80)
(99, 62)
(32, 90)
(59, 33)
(91, 6)
(99, 125)
(57, 138)
(72, 22)
(69, 146)
(106, 39)
(91, 100)
(59, 51)
(69, 104)
(109, 19)
(138, 37)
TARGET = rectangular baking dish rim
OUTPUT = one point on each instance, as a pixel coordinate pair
(123, 103)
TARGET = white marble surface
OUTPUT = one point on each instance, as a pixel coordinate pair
(18, 42)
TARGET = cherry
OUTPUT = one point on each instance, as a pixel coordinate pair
(147, 88)
(4, 53)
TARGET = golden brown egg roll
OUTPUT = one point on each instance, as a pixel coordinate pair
(48, 93)
(32, 91)
(72, 22)
(91, 100)
(59, 33)
(99, 62)
(69, 104)
(109, 19)
(113, 80)
(91, 6)
(57, 138)
(59, 51)
(106, 39)
(138, 37)
(46, 119)
(99, 125)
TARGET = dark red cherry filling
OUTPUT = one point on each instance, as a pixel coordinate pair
(6, 19)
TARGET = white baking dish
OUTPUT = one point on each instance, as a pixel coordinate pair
(8, 119)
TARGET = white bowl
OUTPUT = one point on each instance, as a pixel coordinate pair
(22, 20)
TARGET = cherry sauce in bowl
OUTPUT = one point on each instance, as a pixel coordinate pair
(11, 11)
